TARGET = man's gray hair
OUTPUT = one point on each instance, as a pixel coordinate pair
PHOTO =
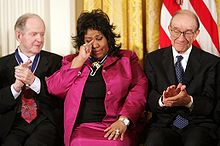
(21, 21)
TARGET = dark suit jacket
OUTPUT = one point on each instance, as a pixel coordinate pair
(48, 105)
(199, 78)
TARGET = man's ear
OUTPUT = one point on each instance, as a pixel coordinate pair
(196, 34)
(169, 28)
(18, 35)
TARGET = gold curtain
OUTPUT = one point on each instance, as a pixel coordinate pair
(152, 24)
(137, 21)
(128, 19)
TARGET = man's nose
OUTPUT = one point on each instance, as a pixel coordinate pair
(182, 36)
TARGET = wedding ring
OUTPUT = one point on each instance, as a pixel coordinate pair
(117, 132)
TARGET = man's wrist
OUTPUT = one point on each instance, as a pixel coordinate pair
(190, 104)
(36, 85)
(161, 104)
(16, 88)
(14, 92)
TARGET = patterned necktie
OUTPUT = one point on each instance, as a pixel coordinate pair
(179, 69)
(29, 106)
(180, 122)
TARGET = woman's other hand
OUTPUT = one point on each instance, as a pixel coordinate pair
(116, 130)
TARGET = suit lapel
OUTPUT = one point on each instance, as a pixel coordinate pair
(12, 61)
(42, 66)
(192, 67)
(168, 65)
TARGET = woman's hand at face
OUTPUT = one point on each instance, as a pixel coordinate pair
(85, 50)
(116, 130)
(84, 53)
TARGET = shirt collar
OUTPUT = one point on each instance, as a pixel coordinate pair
(185, 54)
(24, 57)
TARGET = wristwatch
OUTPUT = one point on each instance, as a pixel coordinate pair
(125, 121)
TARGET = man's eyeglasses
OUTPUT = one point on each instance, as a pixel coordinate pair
(187, 34)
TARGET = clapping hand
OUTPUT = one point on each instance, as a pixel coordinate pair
(23, 74)
(176, 96)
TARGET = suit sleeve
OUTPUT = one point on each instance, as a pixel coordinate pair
(53, 67)
(7, 100)
(205, 94)
(217, 107)
(60, 82)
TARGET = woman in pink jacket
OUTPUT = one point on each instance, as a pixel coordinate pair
(104, 88)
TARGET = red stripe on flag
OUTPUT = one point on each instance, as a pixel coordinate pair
(207, 20)
(195, 43)
(171, 6)
(164, 39)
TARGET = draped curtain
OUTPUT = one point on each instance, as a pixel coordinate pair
(137, 21)
(128, 19)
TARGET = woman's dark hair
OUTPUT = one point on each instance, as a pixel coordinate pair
(96, 20)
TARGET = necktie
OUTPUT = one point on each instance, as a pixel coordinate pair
(29, 106)
(179, 69)
(179, 122)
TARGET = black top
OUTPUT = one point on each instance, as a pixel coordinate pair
(92, 107)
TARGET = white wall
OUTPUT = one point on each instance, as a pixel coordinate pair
(59, 17)
(60, 26)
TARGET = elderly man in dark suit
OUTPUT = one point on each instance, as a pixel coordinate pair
(182, 90)
(29, 116)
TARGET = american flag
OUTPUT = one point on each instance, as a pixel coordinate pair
(205, 10)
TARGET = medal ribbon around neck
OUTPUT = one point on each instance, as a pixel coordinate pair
(96, 65)
(34, 64)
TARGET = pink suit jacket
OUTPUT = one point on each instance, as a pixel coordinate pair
(126, 89)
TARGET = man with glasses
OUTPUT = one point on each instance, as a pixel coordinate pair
(182, 88)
